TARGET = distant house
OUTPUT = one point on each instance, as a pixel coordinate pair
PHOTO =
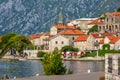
(71, 34)
(55, 29)
(92, 38)
(82, 23)
(57, 42)
(81, 42)
(35, 39)
(111, 23)
(114, 42)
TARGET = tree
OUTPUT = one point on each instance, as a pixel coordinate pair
(118, 10)
(93, 29)
(53, 65)
(41, 54)
(13, 41)
(79, 28)
(106, 47)
(103, 16)
(69, 48)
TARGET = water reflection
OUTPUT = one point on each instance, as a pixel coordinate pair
(32, 67)
(83, 66)
(20, 69)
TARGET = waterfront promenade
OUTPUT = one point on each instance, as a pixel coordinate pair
(69, 59)
(78, 76)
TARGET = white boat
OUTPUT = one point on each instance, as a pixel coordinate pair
(22, 59)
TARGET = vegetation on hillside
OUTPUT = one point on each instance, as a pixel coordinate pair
(118, 10)
(13, 41)
(93, 29)
(102, 16)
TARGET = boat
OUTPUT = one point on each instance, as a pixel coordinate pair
(22, 59)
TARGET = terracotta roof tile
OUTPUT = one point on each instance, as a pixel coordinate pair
(64, 26)
(97, 21)
(101, 41)
(81, 38)
(68, 21)
(112, 39)
(73, 32)
(34, 36)
(95, 35)
(116, 14)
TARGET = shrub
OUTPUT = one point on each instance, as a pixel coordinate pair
(53, 65)
(40, 54)
(69, 48)
(103, 52)
(89, 54)
(106, 47)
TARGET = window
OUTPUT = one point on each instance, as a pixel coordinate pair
(112, 19)
(110, 65)
(73, 38)
(56, 42)
(62, 42)
(107, 19)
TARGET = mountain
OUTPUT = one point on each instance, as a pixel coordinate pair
(35, 16)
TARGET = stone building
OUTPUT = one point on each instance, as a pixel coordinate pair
(81, 42)
(58, 42)
(111, 23)
(112, 66)
(114, 42)
(82, 23)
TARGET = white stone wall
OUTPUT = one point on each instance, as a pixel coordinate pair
(106, 40)
(117, 45)
(81, 45)
(37, 41)
(90, 42)
(59, 39)
(53, 30)
(31, 53)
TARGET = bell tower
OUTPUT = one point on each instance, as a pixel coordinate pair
(60, 19)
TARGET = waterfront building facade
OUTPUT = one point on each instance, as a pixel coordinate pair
(112, 66)
(57, 42)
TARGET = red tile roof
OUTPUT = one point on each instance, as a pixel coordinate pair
(97, 21)
(71, 32)
(68, 21)
(64, 26)
(95, 35)
(34, 36)
(112, 39)
(116, 14)
(81, 38)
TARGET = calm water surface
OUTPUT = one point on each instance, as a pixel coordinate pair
(32, 67)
